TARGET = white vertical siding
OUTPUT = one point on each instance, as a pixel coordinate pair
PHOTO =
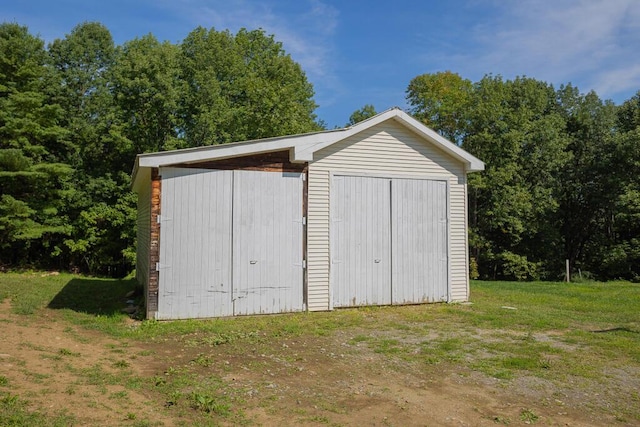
(388, 149)
(195, 244)
(230, 243)
(267, 242)
(143, 234)
(361, 249)
(419, 241)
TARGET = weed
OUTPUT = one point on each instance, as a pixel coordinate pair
(209, 404)
(95, 375)
(388, 346)
(501, 420)
(121, 364)
(67, 352)
(203, 360)
(9, 399)
(56, 357)
(36, 377)
(528, 416)
(131, 416)
(3, 380)
(159, 381)
(15, 412)
(544, 363)
(119, 395)
(360, 338)
(319, 419)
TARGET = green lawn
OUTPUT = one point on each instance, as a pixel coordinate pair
(557, 332)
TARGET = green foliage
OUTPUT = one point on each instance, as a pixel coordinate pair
(362, 114)
(561, 178)
(241, 87)
(33, 180)
(74, 115)
(16, 412)
(441, 101)
(473, 269)
(209, 404)
(517, 267)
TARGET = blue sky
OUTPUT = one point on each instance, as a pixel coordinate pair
(366, 52)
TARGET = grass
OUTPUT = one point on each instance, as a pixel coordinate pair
(552, 331)
(15, 412)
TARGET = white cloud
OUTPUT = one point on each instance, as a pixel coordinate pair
(618, 80)
(306, 30)
(591, 43)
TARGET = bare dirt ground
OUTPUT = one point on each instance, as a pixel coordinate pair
(306, 381)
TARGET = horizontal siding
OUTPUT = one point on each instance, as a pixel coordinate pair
(143, 235)
(388, 149)
(458, 229)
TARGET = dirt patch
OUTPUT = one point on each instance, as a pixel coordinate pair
(61, 368)
(327, 381)
(310, 380)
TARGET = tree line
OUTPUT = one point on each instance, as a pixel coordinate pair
(561, 179)
(75, 113)
(562, 166)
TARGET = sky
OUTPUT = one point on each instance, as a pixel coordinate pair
(358, 52)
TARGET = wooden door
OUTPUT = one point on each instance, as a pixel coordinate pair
(419, 241)
(195, 244)
(389, 241)
(360, 237)
(267, 242)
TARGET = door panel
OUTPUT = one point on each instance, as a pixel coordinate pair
(360, 236)
(419, 241)
(195, 244)
(267, 245)
(388, 241)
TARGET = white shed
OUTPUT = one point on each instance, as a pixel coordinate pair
(372, 214)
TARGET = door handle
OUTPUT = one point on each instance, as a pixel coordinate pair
(377, 260)
(253, 261)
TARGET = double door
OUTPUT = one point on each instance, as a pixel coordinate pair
(230, 243)
(388, 241)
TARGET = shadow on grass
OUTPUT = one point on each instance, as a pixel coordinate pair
(616, 330)
(93, 296)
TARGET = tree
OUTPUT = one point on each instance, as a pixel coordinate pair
(441, 101)
(589, 183)
(241, 87)
(147, 89)
(74, 116)
(561, 177)
(362, 114)
(33, 181)
(83, 61)
(617, 255)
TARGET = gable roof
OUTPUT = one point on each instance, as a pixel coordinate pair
(301, 147)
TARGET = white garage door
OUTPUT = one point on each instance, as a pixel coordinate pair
(361, 249)
(267, 238)
(230, 243)
(388, 241)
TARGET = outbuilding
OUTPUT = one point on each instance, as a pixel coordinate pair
(372, 214)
